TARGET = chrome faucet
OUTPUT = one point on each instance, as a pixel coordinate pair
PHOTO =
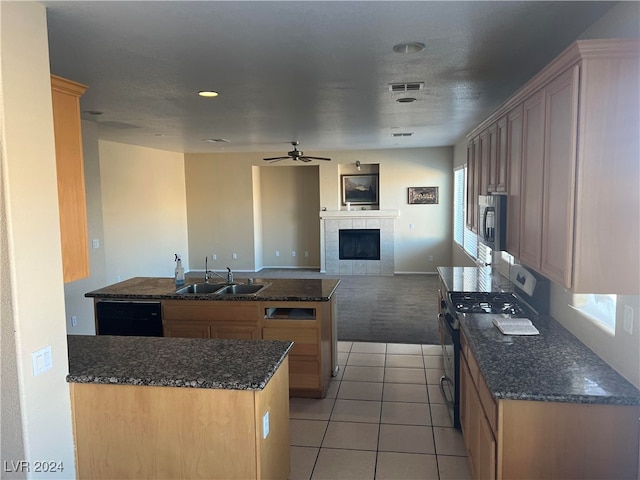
(208, 274)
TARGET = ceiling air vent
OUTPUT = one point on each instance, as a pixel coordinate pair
(403, 134)
(406, 87)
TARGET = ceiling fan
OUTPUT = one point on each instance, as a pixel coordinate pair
(296, 154)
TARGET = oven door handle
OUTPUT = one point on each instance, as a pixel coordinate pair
(443, 379)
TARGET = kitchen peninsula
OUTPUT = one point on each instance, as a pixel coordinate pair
(155, 407)
(298, 310)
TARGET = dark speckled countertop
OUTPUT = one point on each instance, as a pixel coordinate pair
(554, 366)
(174, 362)
(293, 290)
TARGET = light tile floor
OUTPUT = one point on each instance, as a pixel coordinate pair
(383, 418)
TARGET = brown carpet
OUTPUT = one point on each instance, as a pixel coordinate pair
(389, 309)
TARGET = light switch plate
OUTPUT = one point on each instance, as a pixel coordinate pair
(42, 360)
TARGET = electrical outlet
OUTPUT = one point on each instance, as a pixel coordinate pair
(431, 258)
(277, 253)
(95, 243)
(214, 256)
(628, 320)
(118, 278)
(74, 320)
(411, 225)
(293, 253)
(234, 256)
(306, 254)
(265, 425)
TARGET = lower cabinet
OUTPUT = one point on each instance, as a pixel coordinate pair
(139, 431)
(307, 324)
(540, 440)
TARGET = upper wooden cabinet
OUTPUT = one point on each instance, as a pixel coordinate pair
(579, 188)
(65, 96)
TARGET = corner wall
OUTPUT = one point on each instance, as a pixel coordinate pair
(36, 414)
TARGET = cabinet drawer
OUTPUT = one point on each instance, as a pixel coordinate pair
(305, 340)
(186, 330)
(473, 366)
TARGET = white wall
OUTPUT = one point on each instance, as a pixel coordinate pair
(144, 210)
(35, 419)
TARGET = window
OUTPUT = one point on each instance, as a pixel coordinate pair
(461, 234)
(598, 308)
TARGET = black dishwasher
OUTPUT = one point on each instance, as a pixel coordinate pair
(117, 317)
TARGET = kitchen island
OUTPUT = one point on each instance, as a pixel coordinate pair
(299, 310)
(153, 407)
(542, 406)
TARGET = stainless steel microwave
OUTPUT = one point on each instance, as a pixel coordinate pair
(492, 221)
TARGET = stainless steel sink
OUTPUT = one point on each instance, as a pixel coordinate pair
(200, 288)
(242, 289)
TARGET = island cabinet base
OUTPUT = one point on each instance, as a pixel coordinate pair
(127, 431)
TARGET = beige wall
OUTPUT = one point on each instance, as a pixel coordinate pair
(290, 202)
(214, 179)
(36, 413)
(143, 209)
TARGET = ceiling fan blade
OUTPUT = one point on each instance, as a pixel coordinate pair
(274, 159)
(318, 158)
(304, 159)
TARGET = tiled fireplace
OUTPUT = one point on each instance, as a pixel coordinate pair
(371, 220)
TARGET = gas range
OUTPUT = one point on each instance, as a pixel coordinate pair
(487, 302)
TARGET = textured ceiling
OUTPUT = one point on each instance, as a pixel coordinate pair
(316, 72)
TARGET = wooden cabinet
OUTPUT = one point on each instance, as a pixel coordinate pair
(65, 96)
(532, 178)
(202, 319)
(514, 175)
(579, 185)
(308, 325)
(131, 431)
(539, 439)
(471, 202)
(500, 172)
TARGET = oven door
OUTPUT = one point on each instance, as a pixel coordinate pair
(450, 382)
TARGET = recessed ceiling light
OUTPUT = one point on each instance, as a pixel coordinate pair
(408, 47)
(406, 100)
(208, 93)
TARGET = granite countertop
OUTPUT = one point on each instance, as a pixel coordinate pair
(292, 290)
(473, 279)
(554, 366)
(174, 362)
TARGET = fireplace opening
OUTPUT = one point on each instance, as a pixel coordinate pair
(359, 244)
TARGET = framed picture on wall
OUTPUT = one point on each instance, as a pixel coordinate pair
(423, 195)
(360, 189)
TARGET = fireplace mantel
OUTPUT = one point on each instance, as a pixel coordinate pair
(334, 220)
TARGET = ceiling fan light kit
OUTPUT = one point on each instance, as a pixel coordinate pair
(296, 154)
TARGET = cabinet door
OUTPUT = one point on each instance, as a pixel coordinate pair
(485, 456)
(561, 126)
(501, 170)
(186, 330)
(514, 158)
(491, 159)
(235, 332)
(532, 180)
(471, 192)
(484, 165)
(74, 238)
